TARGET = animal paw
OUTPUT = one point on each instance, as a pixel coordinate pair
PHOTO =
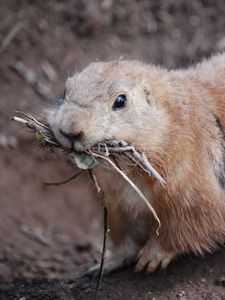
(151, 256)
(112, 263)
(91, 273)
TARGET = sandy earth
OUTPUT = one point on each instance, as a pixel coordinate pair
(49, 235)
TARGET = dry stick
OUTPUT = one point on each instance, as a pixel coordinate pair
(94, 179)
(133, 186)
(30, 123)
(142, 159)
(134, 160)
(10, 36)
(106, 230)
(39, 127)
(36, 235)
(20, 120)
(30, 117)
(64, 181)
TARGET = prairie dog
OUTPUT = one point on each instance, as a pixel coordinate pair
(177, 118)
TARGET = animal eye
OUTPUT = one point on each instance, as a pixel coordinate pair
(60, 100)
(120, 102)
(64, 94)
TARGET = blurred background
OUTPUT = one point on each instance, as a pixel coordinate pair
(54, 232)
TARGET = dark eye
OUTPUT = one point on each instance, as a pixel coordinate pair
(60, 100)
(120, 102)
(64, 94)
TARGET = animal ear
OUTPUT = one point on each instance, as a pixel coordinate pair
(147, 93)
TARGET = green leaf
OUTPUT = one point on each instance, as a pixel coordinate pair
(39, 136)
(85, 161)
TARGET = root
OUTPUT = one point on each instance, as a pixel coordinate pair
(64, 181)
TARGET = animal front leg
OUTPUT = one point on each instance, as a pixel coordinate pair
(152, 255)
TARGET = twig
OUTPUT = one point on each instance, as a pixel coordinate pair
(32, 118)
(141, 157)
(106, 230)
(36, 234)
(64, 181)
(28, 123)
(20, 120)
(10, 36)
(35, 125)
(94, 179)
(133, 186)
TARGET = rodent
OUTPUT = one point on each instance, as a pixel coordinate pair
(177, 118)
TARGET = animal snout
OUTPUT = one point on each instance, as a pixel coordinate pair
(72, 136)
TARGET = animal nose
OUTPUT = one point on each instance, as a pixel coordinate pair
(72, 136)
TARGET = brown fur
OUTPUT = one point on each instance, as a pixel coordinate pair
(178, 119)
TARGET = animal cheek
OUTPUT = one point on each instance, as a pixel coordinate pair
(147, 94)
(117, 133)
(69, 84)
(56, 121)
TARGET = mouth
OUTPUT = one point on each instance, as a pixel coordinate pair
(103, 146)
(64, 142)
(81, 147)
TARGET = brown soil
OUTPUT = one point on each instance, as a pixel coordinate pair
(49, 235)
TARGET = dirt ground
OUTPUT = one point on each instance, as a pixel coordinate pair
(49, 235)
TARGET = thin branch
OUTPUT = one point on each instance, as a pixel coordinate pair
(20, 120)
(10, 36)
(141, 157)
(94, 179)
(32, 118)
(64, 181)
(35, 125)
